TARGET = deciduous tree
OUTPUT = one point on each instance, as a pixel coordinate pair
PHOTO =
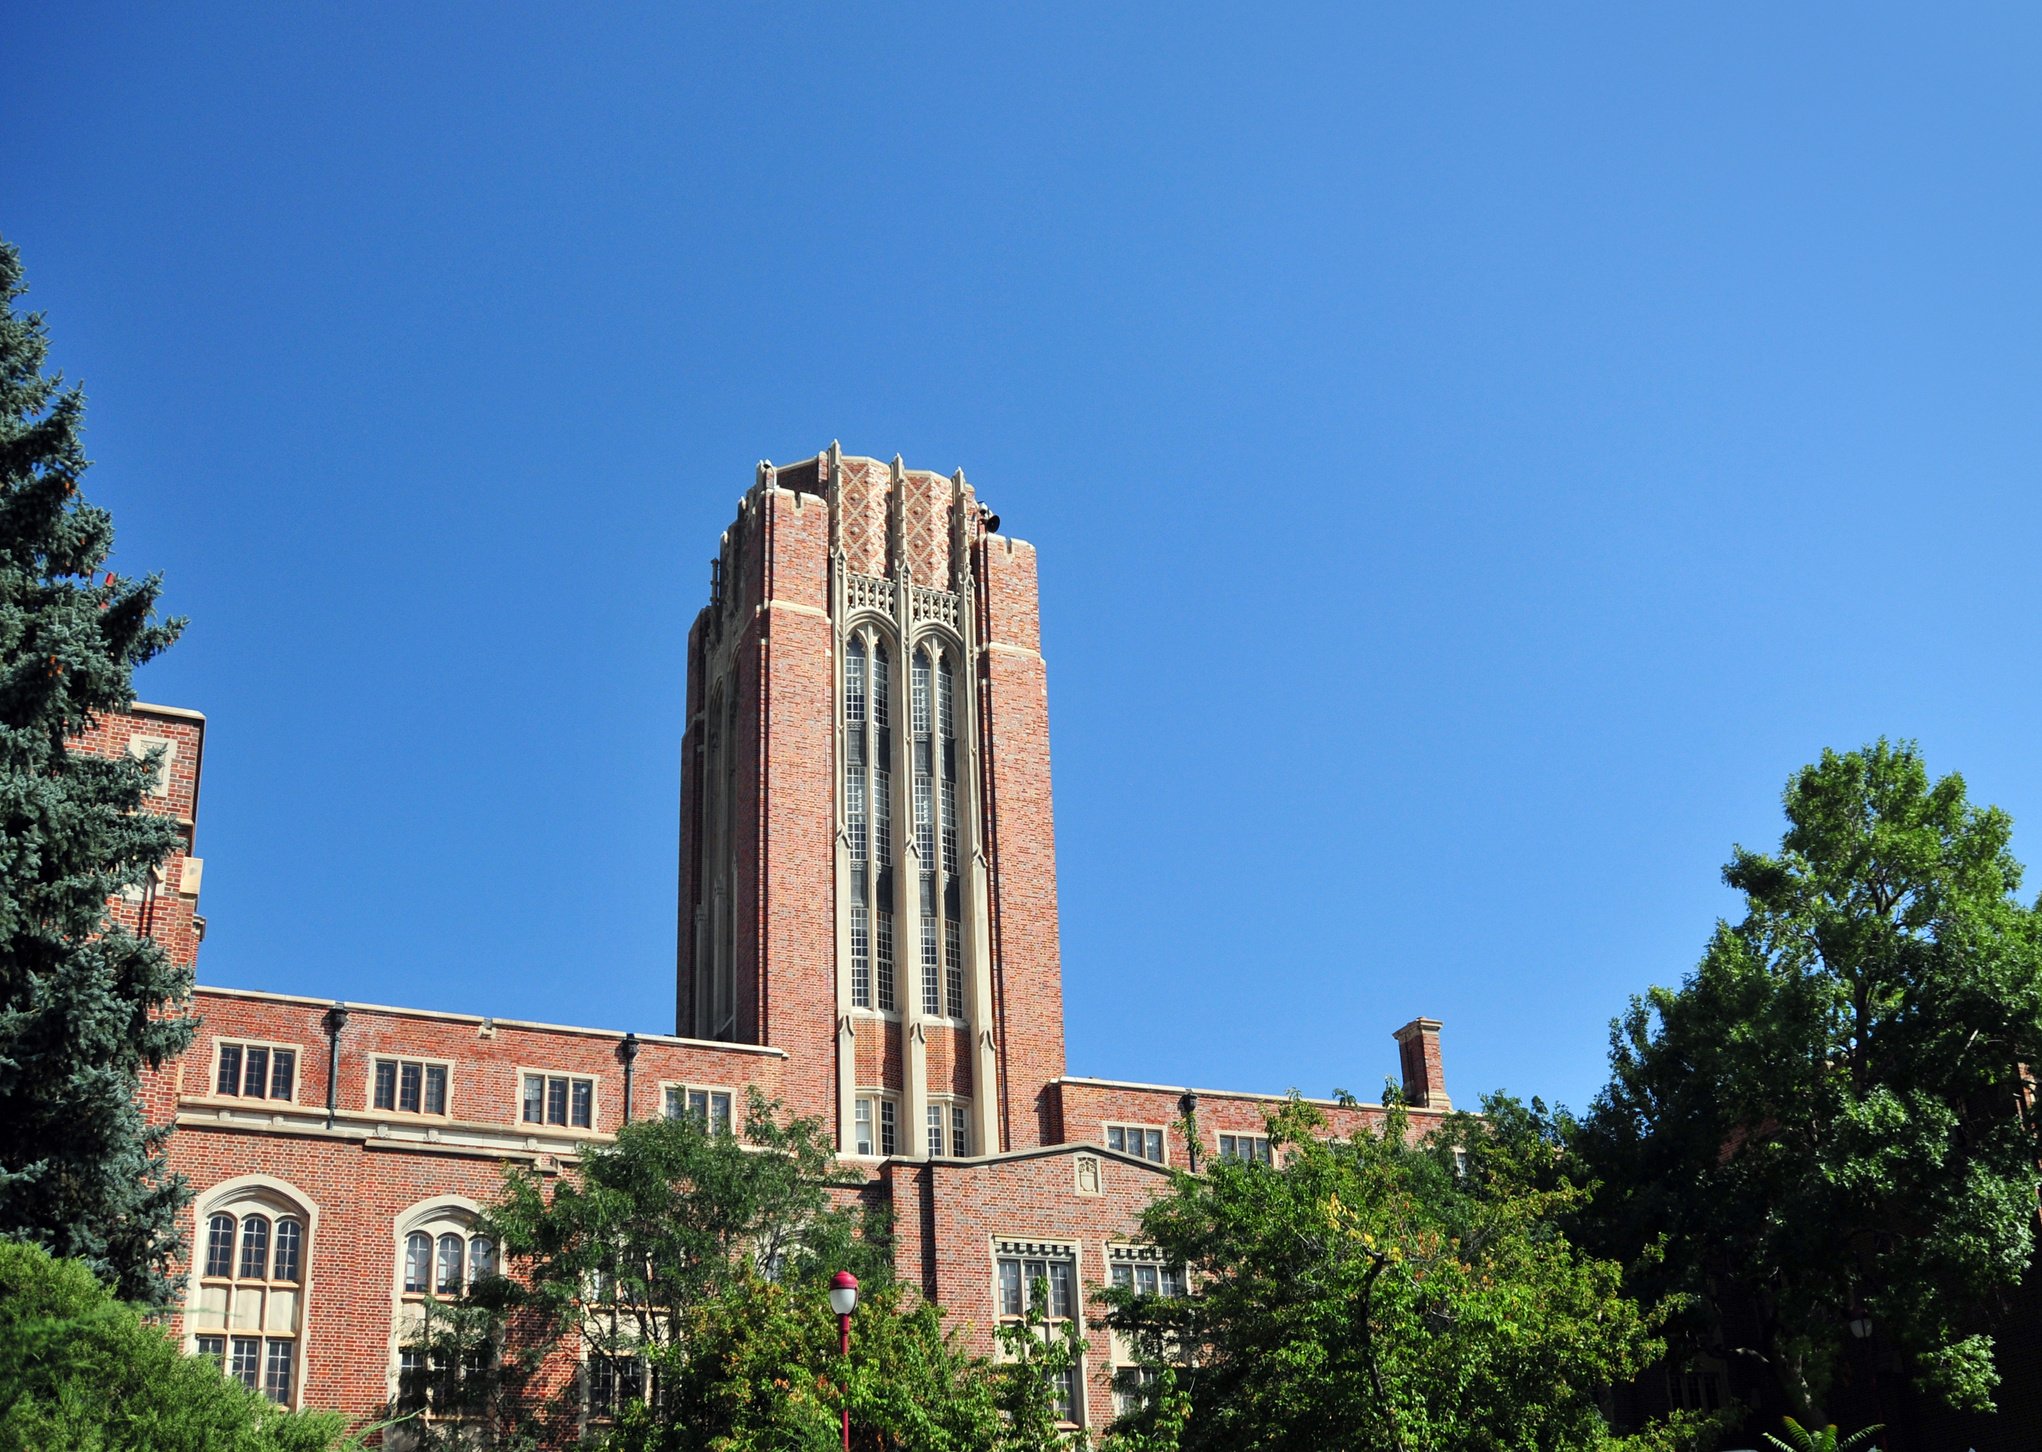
(1828, 1115)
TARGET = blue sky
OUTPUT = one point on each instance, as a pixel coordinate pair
(1476, 454)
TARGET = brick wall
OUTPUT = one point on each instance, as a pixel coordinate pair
(168, 910)
(1021, 835)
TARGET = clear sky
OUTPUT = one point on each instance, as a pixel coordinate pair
(1476, 453)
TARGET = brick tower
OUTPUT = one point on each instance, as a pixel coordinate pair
(868, 860)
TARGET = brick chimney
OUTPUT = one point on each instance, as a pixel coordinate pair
(1424, 1076)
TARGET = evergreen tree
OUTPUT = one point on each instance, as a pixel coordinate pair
(82, 1000)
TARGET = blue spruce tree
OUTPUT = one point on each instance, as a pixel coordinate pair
(84, 1003)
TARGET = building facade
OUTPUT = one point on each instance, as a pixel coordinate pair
(867, 932)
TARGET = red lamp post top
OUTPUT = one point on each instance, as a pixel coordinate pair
(843, 1293)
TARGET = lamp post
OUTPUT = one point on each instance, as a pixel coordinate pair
(844, 1300)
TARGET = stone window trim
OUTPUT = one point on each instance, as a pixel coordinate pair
(1156, 1135)
(870, 1113)
(1007, 1250)
(269, 1047)
(732, 1107)
(274, 1200)
(574, 1078)
(956, 1114)
(369, 1104)
(438, 1216)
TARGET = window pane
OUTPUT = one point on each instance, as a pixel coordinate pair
(290, 1240)
(886, 1129)
(418, 1251)
(935, 1118)
(698, 1106)
(861, 956)
(1116, 1137)
(276, 1380)
(1173, 1281)
(1123, 1275)
(719, 1113)
(255, 1083)
(435, 1088)
(247, 1354)
(386, 1083)
(535, 1099)
(960, 1137)
(1145, 1283)
(410, 1086)
(1010, 1287)
(213, 1346)
(282, 1067)
(220, 1246)
(448, 1282)
(885, 960)
(481, 1257)
(932, 1002)
(230, 1069)
(584, 1103)
(254, 1248)
(556, 1101)
(1060, 1298)
(673, 1101)
(1155, 1149)
(863, 1131)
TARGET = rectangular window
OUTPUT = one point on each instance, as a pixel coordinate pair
(559, 1099)
(932, 999)
(246, 1366)
(960, 1131)
(949, 826)
(213, 1346)
(953, 969)
(1250, 1148)
(882, 816)
(880, 693)
(410, 1086)
(276, 1373)
(257, 1071)
(885, 945)
(861, 956)
(1136, 1139)
(925, 828)
(919, 688)
(935, 1119)
(862, 1131)
(709, 1108)
(854, 686)
(1132, 1388)
(1025, 1273)
(887, 1138)
(854, 810)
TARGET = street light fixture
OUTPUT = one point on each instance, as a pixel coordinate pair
(1860, 1322)
(844, 1300)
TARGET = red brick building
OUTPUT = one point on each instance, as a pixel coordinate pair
(868, 932)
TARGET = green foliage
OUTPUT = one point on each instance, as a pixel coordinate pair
(1826, 1114)
(1038, 1358)
(1807, 1439)
(80, 1372)
(1376, 1294)
(80, 997)
(704, 1260)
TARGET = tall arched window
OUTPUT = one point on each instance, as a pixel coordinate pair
(924, 793)
(247, 1305)
(868, 819)
(440, 1257)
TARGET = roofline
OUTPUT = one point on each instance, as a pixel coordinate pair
(182, 712)
(1223, 1093)
(481, 1018)
(1040, 1151)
